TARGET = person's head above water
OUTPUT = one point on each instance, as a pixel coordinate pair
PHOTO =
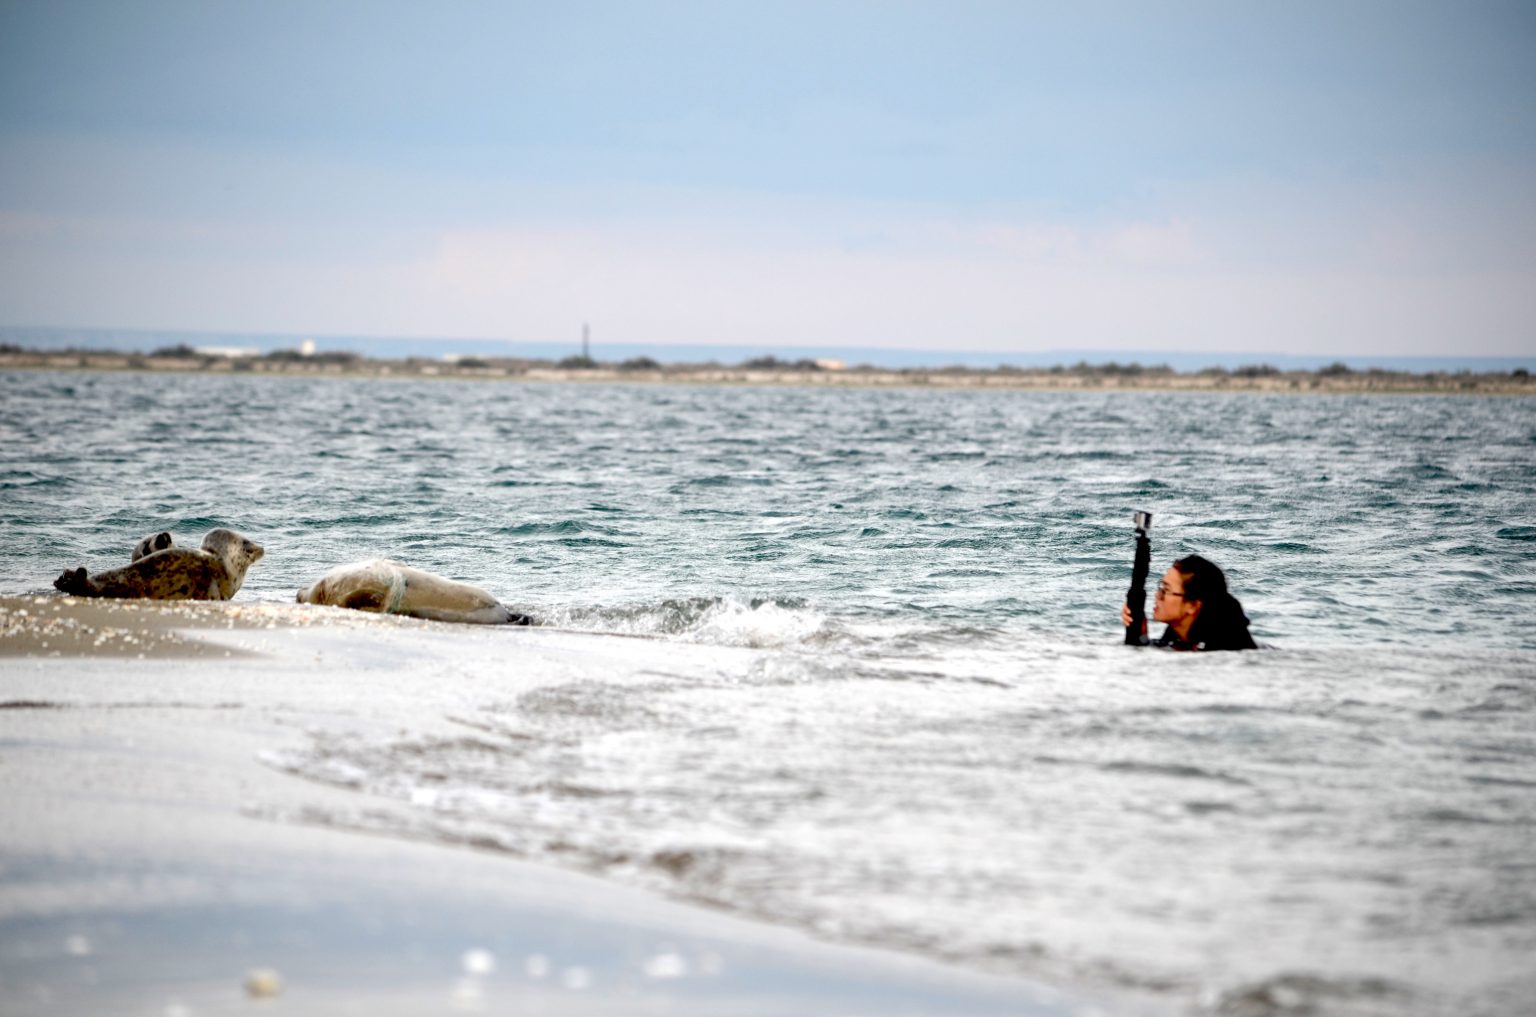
(1193, 599)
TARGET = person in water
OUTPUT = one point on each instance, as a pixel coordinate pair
(1200, 612)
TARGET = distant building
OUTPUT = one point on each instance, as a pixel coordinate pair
(232, 352)
(831, 364)
(307, 348)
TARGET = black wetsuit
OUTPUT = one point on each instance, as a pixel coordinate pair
(1236, 640)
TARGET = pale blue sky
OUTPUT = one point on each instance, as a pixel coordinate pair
(1353, 178)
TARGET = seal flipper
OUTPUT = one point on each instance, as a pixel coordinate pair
(149, 545)
(364, 600)
(514, 618)
(75, 582)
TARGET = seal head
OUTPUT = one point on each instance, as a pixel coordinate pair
(236, 552)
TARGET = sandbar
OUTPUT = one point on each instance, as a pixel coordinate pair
(151, 863)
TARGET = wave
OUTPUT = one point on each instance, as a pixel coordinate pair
(792, 624)
(721, 621)
(562, 528)
(723, 480)
(1516, 533)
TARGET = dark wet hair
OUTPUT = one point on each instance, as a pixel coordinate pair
(1221, 624)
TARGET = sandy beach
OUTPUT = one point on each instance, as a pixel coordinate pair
(154, 860)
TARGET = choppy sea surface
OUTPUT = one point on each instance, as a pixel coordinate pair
(901, 712)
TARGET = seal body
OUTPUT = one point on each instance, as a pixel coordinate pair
(213, 572)
(388, 587)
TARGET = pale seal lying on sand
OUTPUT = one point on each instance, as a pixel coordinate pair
(389, 587)
(214, 572)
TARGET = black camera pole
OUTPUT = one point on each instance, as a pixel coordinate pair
(1136, 596)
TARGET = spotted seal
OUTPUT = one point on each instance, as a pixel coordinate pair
(213, 572)
(388, 587)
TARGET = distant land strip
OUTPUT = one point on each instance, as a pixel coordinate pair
(1337, 377)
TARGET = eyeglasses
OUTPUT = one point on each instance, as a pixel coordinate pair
(1164, 591)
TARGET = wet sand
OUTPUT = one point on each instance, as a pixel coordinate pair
(151, 863)
(48, 626)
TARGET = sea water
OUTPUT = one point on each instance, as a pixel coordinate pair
(901, 711)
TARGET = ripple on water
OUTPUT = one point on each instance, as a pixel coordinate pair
(1521, 533)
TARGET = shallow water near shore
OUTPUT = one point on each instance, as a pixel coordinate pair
(892, 708)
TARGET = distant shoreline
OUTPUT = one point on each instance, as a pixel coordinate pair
(1108, 376)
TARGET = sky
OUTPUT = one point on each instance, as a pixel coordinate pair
(1309, 178)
